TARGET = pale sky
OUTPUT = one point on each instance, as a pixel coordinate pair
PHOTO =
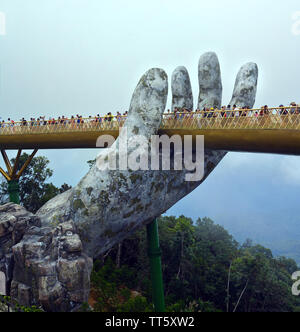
(63, 57)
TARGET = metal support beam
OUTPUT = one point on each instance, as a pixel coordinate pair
(7, 162)
(12, 175)
(28, 161)
(155, 266)
(4, 174)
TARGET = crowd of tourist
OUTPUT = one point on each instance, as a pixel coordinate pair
(234, 111)
(63, 120)
(178, 113)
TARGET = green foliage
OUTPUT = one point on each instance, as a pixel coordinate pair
(35, 191)
(268, 281)
(196, 258)
(199, 260)
(110, 288)
(16, 307)
(135, 304)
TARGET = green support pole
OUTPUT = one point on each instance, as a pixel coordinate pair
(14, 191)
(155, 267)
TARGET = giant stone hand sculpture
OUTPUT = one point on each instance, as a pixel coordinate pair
(47, 258)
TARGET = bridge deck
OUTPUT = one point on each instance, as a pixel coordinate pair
(277, 131)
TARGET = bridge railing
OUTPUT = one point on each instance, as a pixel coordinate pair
(57, 126)
(271, 118)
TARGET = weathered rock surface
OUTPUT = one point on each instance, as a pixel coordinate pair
(210, 82)
(43, 265)
(182, 95)
(50, 268)
(245, 86)
(14, 222)
(49, 256)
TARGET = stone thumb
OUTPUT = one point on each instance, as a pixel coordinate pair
(148, 104)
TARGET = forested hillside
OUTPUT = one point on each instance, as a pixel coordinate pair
(204, 269)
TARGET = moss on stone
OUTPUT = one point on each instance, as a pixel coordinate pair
(89, 190)
(94, 200)
(135, 177)
(129, 214)
(139, 208)
(83, 231)
(78, 193)
(110, 234)
(121, 175)
(170, 187)
(104, 198)
(134, 201)
(114, 209)
(55, 221)
(148, 206)
(78, 204)
(158, 187)
(135, 130)
(113, 187)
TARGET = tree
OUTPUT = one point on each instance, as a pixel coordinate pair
(35, 191)
(196, 258)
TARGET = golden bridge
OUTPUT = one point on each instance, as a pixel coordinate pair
(276, 130)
